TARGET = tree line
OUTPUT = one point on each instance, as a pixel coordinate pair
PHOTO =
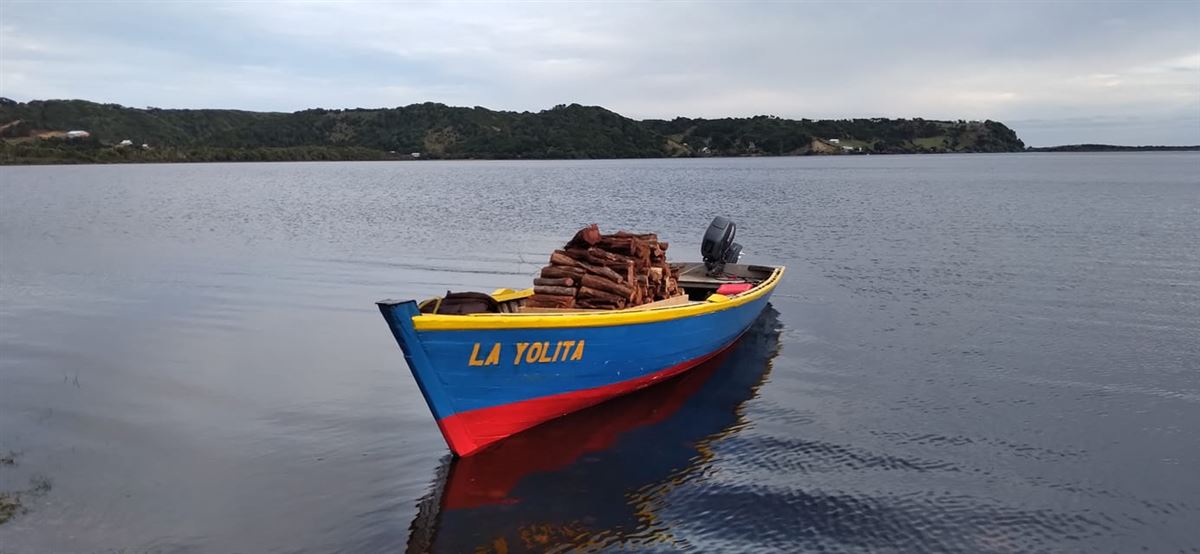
(437, 131)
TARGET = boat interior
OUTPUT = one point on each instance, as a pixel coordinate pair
(696, 284)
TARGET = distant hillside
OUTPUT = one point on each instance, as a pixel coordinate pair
(35, 132)
(769, 135)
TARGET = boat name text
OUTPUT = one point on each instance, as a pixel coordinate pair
(530, 353)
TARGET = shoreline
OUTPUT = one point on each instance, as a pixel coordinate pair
(1036, 150)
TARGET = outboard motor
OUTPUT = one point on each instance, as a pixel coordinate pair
(718, 247)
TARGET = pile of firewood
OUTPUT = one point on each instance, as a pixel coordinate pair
(606, 272)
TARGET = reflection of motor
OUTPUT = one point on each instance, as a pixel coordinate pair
(718, 247)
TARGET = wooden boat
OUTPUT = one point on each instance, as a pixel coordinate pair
(487, 376)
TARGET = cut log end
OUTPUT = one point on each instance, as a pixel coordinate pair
(586, 237)
(554, 282)
(550, 301)
(554, 291)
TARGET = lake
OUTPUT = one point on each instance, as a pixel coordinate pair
(990, 353)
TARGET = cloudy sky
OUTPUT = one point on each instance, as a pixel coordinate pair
(1057, 72)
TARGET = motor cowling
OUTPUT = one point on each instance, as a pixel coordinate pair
(718, 247)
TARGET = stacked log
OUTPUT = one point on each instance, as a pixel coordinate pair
(598, 271)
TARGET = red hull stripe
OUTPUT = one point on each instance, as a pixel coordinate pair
(467, 432)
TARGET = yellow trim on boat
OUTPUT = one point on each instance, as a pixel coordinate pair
(506, 295)
(439, 322)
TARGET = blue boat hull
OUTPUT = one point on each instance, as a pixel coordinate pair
(485, 384)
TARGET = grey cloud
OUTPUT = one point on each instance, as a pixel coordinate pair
(1049, 66)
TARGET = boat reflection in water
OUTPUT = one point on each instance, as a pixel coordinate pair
(593, 478)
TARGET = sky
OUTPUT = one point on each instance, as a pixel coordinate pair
(1056, 72)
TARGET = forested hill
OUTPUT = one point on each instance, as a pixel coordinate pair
(37, 131)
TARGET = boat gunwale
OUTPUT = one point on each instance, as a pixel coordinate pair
(492, 321)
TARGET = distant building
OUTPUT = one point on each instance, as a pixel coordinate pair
(125, 143)
(415, 155)
(834, 141)
(78, 134)
(145, 146)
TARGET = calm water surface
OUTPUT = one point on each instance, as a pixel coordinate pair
(991, 353)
